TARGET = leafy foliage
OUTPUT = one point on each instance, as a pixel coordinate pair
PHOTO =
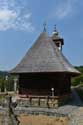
(78, 80)
(6, 83)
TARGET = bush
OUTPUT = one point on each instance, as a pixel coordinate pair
(78, 80)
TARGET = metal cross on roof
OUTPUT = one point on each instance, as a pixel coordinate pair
(55, 28)
(45, 28)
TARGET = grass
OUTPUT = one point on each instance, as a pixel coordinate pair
(2, 99)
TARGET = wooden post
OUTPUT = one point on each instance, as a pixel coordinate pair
(15, 85)
(30, 100)
(39, 101)
(48, 102)
(5, 90)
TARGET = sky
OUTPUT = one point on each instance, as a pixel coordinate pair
(21, 22)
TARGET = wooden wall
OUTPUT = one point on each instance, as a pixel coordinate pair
(41, 84)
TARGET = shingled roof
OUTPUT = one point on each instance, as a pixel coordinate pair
(44, 56)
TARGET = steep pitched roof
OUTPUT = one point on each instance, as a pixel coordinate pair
(44, 56)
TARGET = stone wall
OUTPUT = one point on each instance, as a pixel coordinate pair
(43, 102)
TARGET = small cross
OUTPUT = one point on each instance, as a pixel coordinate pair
(44, 27)
(55, 28)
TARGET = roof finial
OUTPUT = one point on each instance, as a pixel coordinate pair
(45, 27)
(55, 30)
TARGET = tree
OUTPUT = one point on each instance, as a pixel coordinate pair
(79, 79)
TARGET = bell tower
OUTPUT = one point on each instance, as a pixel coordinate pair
(57, 40)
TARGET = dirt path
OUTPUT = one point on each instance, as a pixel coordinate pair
(42, 120)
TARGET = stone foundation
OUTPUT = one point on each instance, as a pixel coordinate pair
(43, 102)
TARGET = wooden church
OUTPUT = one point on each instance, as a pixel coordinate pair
(44, 70)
